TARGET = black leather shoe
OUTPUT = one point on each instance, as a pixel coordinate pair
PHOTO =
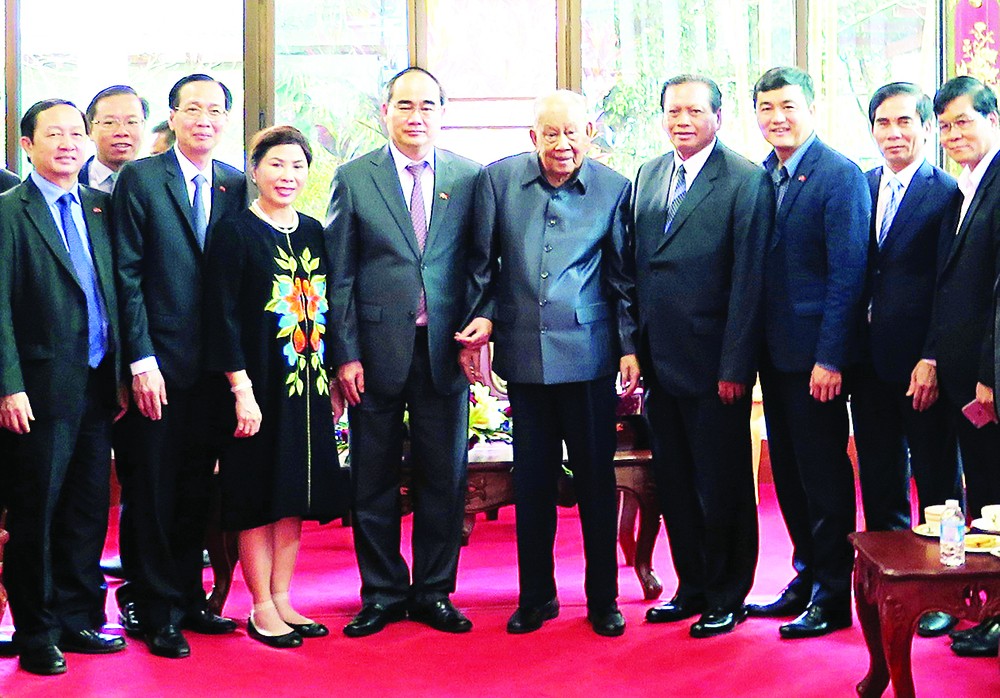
(983, 643)
(675, 609)
(975, 630)
(935, 624)
(207, 623)
(610, 623)
(789, 603)
(112, 567)
(717, 621)
(129, 620)
(44, 661)
(441, 615)
(528, 620)
(282, 642)
(90, 642)
(310, 629)
(373, 617)
(168, 642)
(816, 621)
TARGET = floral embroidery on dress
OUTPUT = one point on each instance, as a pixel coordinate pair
(300, 303)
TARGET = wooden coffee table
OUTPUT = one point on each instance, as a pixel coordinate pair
(897, 578)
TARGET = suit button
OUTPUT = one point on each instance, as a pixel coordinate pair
(423, 267)
(542, 302)
(412, 314)
(545, 275)
(544, 328)
(552, 222)
(547, 248)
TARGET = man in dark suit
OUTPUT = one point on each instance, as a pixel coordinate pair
(898, 430)
(813, 280)
(58, 378)
(557, 282)
(165, 208)
(8, 180)
(117, 116)
(398, 236)
(958, 340)
(703, 215)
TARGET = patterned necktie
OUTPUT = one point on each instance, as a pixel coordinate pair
(680, 191)
(891, 206)
(419, 218)
(417, 213)
(85, 274)
(198, 210)
(782, 186)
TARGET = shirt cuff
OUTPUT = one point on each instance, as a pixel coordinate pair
(144, 365)
(828, 367)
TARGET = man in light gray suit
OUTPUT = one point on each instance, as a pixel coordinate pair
(558, 285)
(398, 235)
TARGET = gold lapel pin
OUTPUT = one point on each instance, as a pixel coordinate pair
(443, 196)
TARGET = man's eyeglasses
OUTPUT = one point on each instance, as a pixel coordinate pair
(132, 122)
(193, 112)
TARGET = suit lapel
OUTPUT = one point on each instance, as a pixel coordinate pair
(225, 195)
(702, 187)
(442, 194)
(984, 186)
(912, 200)
(100, 242)
(387, 182)
(177, 188)
(40, 215)
(874, 180)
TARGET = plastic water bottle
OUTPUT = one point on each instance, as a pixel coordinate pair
(952, 535)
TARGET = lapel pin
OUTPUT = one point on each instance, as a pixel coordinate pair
(443, 196)
(97, 210)
(222, 189)
(801, 178)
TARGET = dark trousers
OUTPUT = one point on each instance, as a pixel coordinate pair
(893, 441)
(438, 427)
(583, 416)
(980, 451)
(167, 467)
(703, 463)
(814, 482)
(58, 517)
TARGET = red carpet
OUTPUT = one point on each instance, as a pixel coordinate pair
(563, 659)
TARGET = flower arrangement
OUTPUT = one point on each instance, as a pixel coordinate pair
(489, 420)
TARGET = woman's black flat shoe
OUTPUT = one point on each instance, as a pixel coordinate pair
(310, 629)
(281, 642)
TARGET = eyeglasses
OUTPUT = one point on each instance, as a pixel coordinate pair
(131, 122)
(195, 112)
(963, 124)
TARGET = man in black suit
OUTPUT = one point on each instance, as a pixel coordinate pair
(165, 208)
(703, 215)
(813, 280)
(898, 430)
(398, 236)
(958, 340)
(117, 116)
(58, 378)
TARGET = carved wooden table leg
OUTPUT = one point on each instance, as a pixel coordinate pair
(898, 621)
(877, 679)
(649, 527)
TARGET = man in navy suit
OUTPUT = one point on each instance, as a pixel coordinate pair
(813, 280)
(703, 215)
(899, 431)
(59, 354)
(165, 209)
(958, 340)
(117, 116)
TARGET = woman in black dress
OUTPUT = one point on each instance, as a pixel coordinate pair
(266, 306)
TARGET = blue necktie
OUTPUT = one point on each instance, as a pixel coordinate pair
(891, 206)
(680, 191)
(198, 213)
(87, 277)
(781, 186)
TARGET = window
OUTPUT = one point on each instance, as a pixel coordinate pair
(631, 46)
(855, 47)
(69, 50)
(332, 60)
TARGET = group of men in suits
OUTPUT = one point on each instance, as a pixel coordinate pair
(93, 287)
(703, 272)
